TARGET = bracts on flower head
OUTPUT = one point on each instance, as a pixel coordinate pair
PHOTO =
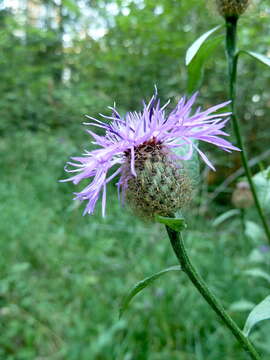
(232, 8)
(141, 145)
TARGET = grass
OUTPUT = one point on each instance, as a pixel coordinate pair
(63, 275)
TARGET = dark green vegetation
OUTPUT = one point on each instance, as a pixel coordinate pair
(63, 275)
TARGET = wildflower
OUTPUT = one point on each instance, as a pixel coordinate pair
(229, 8)
(152, 175)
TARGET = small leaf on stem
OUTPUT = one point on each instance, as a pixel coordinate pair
(196, 66)
(259, 313)
(262, 184)
(176, 224)
(197, 54)
(195, 47)
(254, 232)
(257, 272)
(141, 285)
(262, 58)
(225, 216)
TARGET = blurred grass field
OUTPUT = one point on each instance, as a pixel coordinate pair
(63, 275)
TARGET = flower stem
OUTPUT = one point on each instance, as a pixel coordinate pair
(181, 254)
(232, 57)
(242, 217)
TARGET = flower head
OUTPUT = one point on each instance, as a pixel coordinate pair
(229, 8)
(142, 145)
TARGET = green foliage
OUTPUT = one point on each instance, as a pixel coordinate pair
(258, 273)
(196, 56)
(262, 58)
(259, 313)
(63, 275)
(142, 285)
(34, 92)
(176, 224)
(262, 184)
(254, 231)
(195, 48)
(53, 71)
(225, 216)
(196, 67)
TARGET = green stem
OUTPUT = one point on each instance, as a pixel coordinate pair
(232, 56)
(242, 217)
(181, 254)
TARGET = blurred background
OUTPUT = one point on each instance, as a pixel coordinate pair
(63, 275)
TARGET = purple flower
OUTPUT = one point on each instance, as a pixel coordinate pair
(125, 136)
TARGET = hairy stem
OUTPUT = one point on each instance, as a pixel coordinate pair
(181, 254)
(232, 57)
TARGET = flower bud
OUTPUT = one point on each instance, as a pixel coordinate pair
(161, 185)
(229, 8)
(242, 196)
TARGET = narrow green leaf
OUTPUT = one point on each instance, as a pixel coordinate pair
(141, 285)
(254, 232)
(262, 58)
(176, 224)
(256, 256)
(257, 272)
(259, 313)
(196, 66)
(262, 184)
(241, 305)
(225, 216)
(195, 47)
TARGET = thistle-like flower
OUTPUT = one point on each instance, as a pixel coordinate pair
(229, 8)
(152, 174)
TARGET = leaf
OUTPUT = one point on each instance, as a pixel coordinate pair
(141, 285)
(241, 305)
(72, 6)
(262, 58)
(225, 216)
(254, 231)
(176, 224)
(106, 337)
(259, 313)
(195, 47)
(256, 256)
(257, 272)
(196, 66)
(262, 184)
